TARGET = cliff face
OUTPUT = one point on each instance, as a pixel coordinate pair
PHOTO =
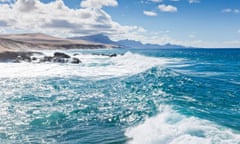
(37, 41)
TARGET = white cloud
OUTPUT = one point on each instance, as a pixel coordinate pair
(194, 1)
(157, 1)
(7, 0)
(98, 3)
(236, 11)
(149, 13)
(25, 5)
(192, 36)
(167, 8)
(58, 19)
(232, 43)
(229, 10)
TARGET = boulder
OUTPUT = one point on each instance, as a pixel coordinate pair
(34, 58)
(76, 54)
(60, 60)
(61, 55)
(46, 59)
(23, 58)
(108, 55)
(75, 61)
(37, 57)
(112, 55)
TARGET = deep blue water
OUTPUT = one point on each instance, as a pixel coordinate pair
(140, 96)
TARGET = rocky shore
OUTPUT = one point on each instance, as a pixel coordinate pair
(27, 48)
(37, 57)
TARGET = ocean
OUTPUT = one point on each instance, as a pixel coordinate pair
(168, 96)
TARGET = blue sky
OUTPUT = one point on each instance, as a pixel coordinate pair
(199, 23)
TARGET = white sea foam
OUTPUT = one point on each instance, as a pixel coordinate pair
(93, 66)
(170, 127)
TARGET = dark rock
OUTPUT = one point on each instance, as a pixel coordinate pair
(59, 60)
(23, 58)
(33, 58)
(8, 56)
(17, 56)
(46, 59)
(18, 59)
(61, 55)
(37, 57)
(112, 55)
(75, 61)
(109, 55)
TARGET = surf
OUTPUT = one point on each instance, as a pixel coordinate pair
(92, 67)
(171, 127)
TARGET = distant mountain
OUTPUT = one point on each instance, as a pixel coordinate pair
(130, 44)
(98, 38)
(139, 45)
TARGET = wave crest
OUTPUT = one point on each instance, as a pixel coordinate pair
(170, 127)
(93, 66)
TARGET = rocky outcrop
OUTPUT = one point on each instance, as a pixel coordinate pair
(58, 57)
(10, 56)
(37, 57)
(61, 55)
(75, 61)
(108, 55)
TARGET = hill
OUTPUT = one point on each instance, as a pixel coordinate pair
(100, 38)
(39, 41)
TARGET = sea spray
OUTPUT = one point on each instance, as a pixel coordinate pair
(93, 66)
(170, 127)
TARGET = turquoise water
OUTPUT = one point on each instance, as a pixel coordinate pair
(140, 96)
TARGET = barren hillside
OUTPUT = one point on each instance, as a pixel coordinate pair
(38, 41)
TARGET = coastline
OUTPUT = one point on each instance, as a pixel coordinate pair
(26, 45)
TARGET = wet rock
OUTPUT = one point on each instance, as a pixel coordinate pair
(23, 58)
(108, 55)
(46, 59)
(37, 57)
(112, 55)
(59, 60)
(75, 61)
(33, 58)
(61, 55)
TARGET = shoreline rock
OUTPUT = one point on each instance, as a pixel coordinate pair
(108, 55)
(37, 57)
